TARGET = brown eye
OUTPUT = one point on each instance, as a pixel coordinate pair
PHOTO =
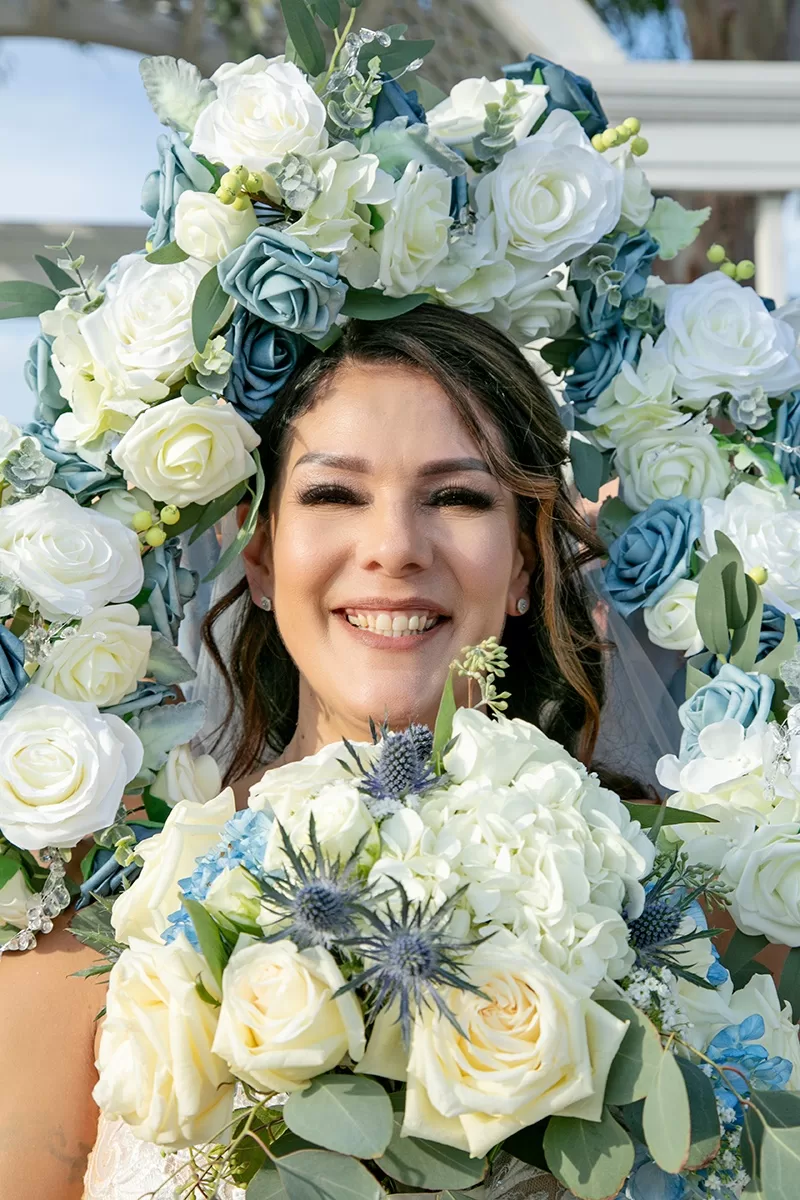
(462, 497)
(329, 493)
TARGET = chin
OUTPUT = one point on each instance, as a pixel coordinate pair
(396, 701)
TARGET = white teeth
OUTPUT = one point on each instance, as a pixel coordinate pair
(413, 623)
(383, 623)
(392, 624)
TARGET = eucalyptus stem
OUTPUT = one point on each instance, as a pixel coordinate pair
(341, 38)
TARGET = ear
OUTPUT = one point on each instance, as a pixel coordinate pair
(524, 560)
(257, 557)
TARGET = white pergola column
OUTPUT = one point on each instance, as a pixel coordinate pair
(770, 249)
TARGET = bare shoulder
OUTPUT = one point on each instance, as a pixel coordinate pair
(47, 1027)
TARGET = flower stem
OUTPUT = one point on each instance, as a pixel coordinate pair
(341, 38)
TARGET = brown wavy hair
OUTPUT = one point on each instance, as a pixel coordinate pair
(556, 675)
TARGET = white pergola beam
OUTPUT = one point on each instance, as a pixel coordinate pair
(561, 30)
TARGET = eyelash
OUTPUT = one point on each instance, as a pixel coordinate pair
(448, 497)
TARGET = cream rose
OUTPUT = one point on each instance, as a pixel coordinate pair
(637, 198)
(672, 621)
(552, 196)
(234, 894)
(207, 229)
(413, 240)
(638, 401)
(15, 897)
(190, 831)
(460, 118)
(183, 453)
(535, 1045)
(289, 786)
(69, 559)
(535, 307)
(497, 750)
(184, 777)
(63, 770)
(341, 820)
(279, 1024)
(101, 661)
(158, 1072)
(265, 108)
(765, 875)
(672, 462)
(122, 503)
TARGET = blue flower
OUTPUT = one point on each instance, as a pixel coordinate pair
(648, 1182)
(41, 378)
(787, 433)
(13, 675)
(653, 553)
(567, 90)
(178, 171)
(598, 361)
(263, 359)
(401, 769)
(276, 277)
(773, 625)
(394, 101)
(733, 695)
(610, 274)
(738, 1047)
(72, 474)
(170, 586)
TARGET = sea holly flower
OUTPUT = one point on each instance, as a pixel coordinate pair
(400, 773)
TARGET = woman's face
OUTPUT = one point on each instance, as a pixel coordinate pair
(390, 548)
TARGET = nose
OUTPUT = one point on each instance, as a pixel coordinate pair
(394, 539)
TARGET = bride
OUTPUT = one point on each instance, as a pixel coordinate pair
(415, 504)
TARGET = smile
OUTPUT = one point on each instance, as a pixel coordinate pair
(393, 624)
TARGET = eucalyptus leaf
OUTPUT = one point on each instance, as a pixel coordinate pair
(666, 1118)
(443, 730)
(306, 38)
(590, 1158)
(780, 1163)
(320, 1175)
(789, 986)
(209, 937)
(266, 1184)
(703, 1116)
(350, 1114)
(327, 11)
(9, 865)
(160, 729)
(637, 1060)
(24, 299)
(741, 948)
(58, 277)
(171, 253)
(397, 57)
(429, 1166)
(210, 302)
(166, 663)
(591, 467)
(247, 529)
(216, 510)
(613, 519)
(368, 304)
(647, 815)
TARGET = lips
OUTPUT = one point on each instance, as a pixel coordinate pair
(393, 623)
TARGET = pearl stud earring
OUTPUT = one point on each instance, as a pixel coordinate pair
(266, 603)
(523, 605)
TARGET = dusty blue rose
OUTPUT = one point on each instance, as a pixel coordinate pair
(567, 90)
(178, 171)
(276, 277)
(770, 636)
(652, 553)
(170, 587)
(787, 433)
(598, 360)
(263, 359)
(609, 275)
(733, 695)
(394, 101)
(72, 474)
(42, 379)
(13, 675)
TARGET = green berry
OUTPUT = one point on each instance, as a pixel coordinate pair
(623, 134)
(598, 143)
(610, 138)
(142, 520)
(729, 269)
(230, 181)
(226, 195)
(241, 202)
(632, 124)
(745, 269)
(640, 145)
(155, 536)
(170, 514)
(716, 253)
(240, 173)
(255, 182)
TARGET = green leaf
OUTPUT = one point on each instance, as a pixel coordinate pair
(247, 529)
(190, 515)
(443, 730)
(353, 3)
(9, 865)
(320, 1175)
(772, 662)
(742, 977)
(429, 1166)
(590, 1158)
(538, 77)
(327, 11)
(58, 277)
(396, 57)
(92, 927)
(741, 948)
(789, 986)
(666, 1120)
(209, 937)
(780, 1163)
(647, 815)
(193, 393)
(347, 1113)
(368, 304)
(156, 809)
(528, 1145)
(735, 589)
(779, 1110)
(266, 1184)
(637, 1060)
(428, 93)
(209, 305)
(591, 467)
(673, 226)
(205, 994)
(166, 663)
(718, 587)
(306, 38)
(171, 253)
(25, 299)
(613, 519)
(703, 1116)
(745, 641)
(216, 510)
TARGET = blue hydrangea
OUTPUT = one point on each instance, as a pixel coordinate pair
(178, 171)
(738, 1047)
(566, 90)
(734, 694)
(598, 361)
(13, 675)
(263, 359)
(652, 553)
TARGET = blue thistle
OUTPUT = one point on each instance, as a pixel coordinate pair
(401, 769)
(408, 956)
(319, 901)
(654, 933)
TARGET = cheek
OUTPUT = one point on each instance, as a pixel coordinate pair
(481, 555)
(307, 553)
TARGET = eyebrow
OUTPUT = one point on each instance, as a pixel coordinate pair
(345, 462)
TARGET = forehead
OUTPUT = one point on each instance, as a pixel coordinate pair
(384, 414)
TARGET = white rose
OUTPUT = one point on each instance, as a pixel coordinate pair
(280, 1023)
(413, 240)
(265, 108)
(338, 220)
(552, 196)
(765, 875)
(473, 277)
(207, 229)
(141, 335)
(760, 996)
(290, 785)
(720, 338)
(460, 118)
(341, 820)
(637, 198)
(672, 462)
(536, 307)
(672, 622)
(122, 503)
(102, 660)
(183, 453)
(764, 525)
(534, 1044)
(498, 750)
(158, 1072)
(63, 770)
(191, 830)
(234, 894)
(639, 400)
(728, 751)
(15, 897)
(184, 777)
(70, 560)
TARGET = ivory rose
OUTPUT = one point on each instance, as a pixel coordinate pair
(207, 229)
(341, 820)
(102, 661)
(186, 777)
(765, 875)
(413, 239)
(15, 896)
(461, 116)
